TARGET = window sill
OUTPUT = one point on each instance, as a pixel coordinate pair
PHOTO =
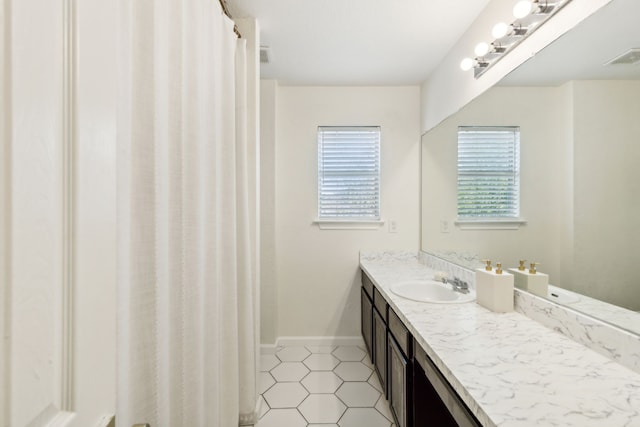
(348, 224)
(490, 224)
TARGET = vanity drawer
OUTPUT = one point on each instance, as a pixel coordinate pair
(367, 284)
(380, 303)
(400, 332)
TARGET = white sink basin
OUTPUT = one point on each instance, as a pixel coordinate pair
(431, 291)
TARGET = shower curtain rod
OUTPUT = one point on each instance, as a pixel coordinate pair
(225, 9)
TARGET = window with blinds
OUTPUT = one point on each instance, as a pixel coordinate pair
(488, 173)
(349, 173)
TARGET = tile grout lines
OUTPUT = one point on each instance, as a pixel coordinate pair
(321, 385)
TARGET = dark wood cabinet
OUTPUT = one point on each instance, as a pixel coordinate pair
(374, 327)
(399, 371)
(366, 310)
(380, 348)
(399, 398)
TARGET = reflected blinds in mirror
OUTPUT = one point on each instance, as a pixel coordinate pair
(349, 173)
(488, 172)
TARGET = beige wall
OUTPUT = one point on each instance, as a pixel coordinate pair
(315, 288)
(268, 290)
(607, 189)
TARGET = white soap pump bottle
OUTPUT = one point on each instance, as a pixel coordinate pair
(532, 281)
(494, 288)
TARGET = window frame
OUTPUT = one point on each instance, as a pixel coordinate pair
(348, 222)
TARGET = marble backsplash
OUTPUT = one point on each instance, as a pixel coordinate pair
(618, 344)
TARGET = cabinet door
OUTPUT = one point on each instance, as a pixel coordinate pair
(366, 310)
(380, 349)
(398, 376)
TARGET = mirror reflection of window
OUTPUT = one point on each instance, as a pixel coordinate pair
(488, 172)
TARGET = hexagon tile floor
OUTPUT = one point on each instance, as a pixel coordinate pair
(327, 386)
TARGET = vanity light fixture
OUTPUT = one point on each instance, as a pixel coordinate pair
(522, 9)
(481, 49)
(467, 64)
(530, 15)
(500, 30)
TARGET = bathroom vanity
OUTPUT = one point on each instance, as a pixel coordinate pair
(460, 364)
(417, 392)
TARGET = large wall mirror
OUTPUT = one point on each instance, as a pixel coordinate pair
(579, 125)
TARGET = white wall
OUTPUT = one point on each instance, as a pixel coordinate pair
(316, 283)
(5, 188)
(448, 88)
(268, 288)
(544, 163)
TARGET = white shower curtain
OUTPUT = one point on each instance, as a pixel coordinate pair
(186, 321)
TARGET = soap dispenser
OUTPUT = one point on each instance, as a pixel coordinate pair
(494, 288)
(530, 280)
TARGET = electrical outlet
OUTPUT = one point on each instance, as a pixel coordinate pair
(393, 226)
(444, 226)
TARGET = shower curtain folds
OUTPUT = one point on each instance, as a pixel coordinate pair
(186, 335)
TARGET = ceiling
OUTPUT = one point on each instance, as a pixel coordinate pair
(581, 53)
(356, 42)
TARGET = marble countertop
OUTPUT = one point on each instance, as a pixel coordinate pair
(509, 369)
(617, 316)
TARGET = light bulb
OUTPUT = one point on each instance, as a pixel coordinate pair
(466, 64)
(500, 30)
(522, 9)
(481, 49)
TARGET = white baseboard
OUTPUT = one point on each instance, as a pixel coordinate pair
(314, 341)
(268, 348)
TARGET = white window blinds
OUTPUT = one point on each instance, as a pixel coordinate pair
(488, 172)
(349, 173)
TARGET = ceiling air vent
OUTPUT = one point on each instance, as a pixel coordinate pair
(265, 54)
(630, 57)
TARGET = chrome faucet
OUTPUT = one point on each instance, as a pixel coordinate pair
(457, 284)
